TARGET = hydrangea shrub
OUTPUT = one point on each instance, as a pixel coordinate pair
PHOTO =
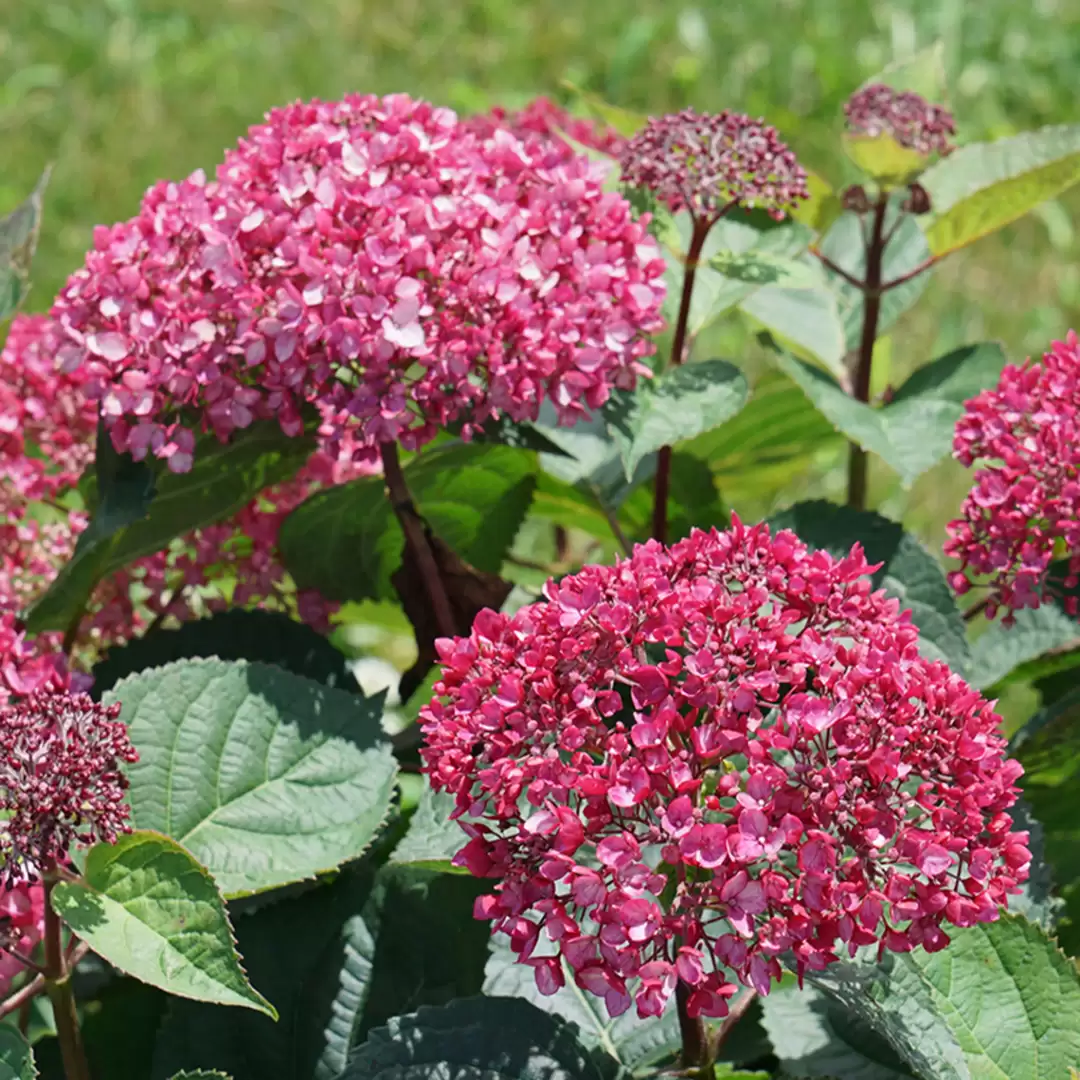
(670, 787)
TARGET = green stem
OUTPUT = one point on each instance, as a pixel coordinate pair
(58, 986)
(875, 251)
(678, 350)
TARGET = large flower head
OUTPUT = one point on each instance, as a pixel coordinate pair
(691, 763)
(706, 163)
(60, 780)
(376, 256)
(1024, 506)
(904, 116)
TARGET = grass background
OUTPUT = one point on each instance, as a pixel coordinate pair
(119, 93)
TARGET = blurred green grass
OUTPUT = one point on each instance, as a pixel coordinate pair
(119, 93)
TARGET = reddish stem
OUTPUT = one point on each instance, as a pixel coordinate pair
(695, 1043)
(413, 528)
(678, 349)
(58, 986)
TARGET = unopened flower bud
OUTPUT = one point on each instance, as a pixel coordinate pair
(917, 201)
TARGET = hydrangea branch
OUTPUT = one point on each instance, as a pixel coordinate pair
(57, 977)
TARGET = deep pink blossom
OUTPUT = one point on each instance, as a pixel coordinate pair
(1025, 502)
(908, 118)
(375, 256)
(700, 759)
(706, 163)
(61, 782)
(541, 116)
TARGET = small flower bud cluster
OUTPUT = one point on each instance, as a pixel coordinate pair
(906, 117)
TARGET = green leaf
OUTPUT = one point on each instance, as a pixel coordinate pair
(18, 239)
(735, 244)
(429, 949)
(805, 320)
(761, 268)
(1001, 1001)
(269, 637)
(16, 1057)
(1041, 642)
(636, 1045)
(906, 250)
(346, 542)
(266, 777)
(908, 572)
(775, 439)
(138, 510)
(982, 187)
(1048, 746)
(433, 837)
(1037, 900)
(915, 431)
(522, 435)
(480, 1038)
(312, 954)
(678, 404)
(813, 1036)
(822, 208)
(151, 910)
(124, 491)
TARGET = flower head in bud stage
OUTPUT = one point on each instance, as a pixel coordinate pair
(1025, 503)
(691, 763)
(706, 163)
(906, 117)
(375, 256)
(60, 780)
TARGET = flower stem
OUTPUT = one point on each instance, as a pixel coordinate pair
(875, 250)
(678, 350)
(736, 1013)
(695, 1043)
(58, 987)
(413, 528)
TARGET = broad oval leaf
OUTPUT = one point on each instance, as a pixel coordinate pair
(1001, 1001)
(635, 1044)
(137, 510)
(152, 911)
(680, 403)
(982, 187)
(915, 430)
(16, 1056)
(814, 1036)
(479, 1038)
(908, 571)
(433, 837)
(805, 320)
(312, 955)
(269, 637)
(346, 542)
(268, 778)
(18, 239)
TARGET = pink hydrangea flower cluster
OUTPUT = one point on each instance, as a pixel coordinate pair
(22, 909)
(1025, 502)
(541, 116)
(691, 763)
(706, 163)
(60, 780)
(52, 426)
(905, 116)
(378, 257)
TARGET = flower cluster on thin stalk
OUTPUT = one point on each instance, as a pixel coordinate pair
(61, 782)
(377, 256)
(702, 759)
(708, 163)
(1024, 507)
(906, 117)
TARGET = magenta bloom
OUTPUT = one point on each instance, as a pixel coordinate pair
(378, 257)
(685, 765)
(905, 116)
(60, 780)
(1026, 497)
(707, 163)
(22, 909)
